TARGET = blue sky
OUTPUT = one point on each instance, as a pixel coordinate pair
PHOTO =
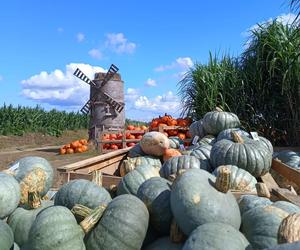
(152, 42)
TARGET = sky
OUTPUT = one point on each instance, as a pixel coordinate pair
(153, 43)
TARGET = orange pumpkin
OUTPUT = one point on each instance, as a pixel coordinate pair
(181, 136)
(67, 146)
(130, 144)
(143, 127)
(83, 141)
(170, 152)
(173, 132)
(62, 151)
(74, 144)
(78, 150)
(130, 127)
(112, 136)
(131, 137)
(172, 122)
(70, 151)
(84, 148)
(113, 146)
(138, 137)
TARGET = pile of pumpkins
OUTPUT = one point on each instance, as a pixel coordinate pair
(77, 146)
(169, 197)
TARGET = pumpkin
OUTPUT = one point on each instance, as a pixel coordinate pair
(208, 139)
(6, 236)
(34, 174)
(202, 152)
(55, 228)
(81, 192)
(136, 151)
(150, 237)
(197, 129)
(70, 151)
(260, 225)
(123, 225)
(21, 220)
(164, 243)
(196, 201)
(286, 246)
(289, 157)
(155, 193)
(175, 142)
(131, 163)
(131, 182)
(245, 154)
(10, 194)
(154, 143)
(181, 136)
(240, 179)
(216, 121)
(171, 167)
(62, 151)
(247, 202)
(287, 206)
(216, 236)
(227, 134)
(169, 153)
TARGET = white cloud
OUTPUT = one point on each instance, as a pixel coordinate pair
(150, 82)
(80, 37)
(96, 53)
(60, 87)
(182, 63)
(118, 43)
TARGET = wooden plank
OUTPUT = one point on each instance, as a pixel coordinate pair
(108, 180)
(105, 164)
(286, 195)
(289, 173)
(93, 160)
(269, 181)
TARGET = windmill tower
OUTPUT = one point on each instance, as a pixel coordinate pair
(106, 103)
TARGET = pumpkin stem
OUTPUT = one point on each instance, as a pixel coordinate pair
(34, 199)
(262, 190)
(176, 235)
(222, 183)
(113, 190)
(81, 211)
(289, 230)
(97, 177)
(89, 222)
(218, 109)
(9, 172)
(237, 137)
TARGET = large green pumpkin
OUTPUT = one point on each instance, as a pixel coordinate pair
(286, 246)
(10, 194)
(197, 129)
(195, 201)
(81, 192)
(155, 193)
(216, 236)
(55, 228)
(245, 154)
(136, 151)
(240, 179)
(173, 165)
(123, 225)
(289, 157)
(164, 244)
(202, 152)
(247, 202)
(260, 225)
(175, 142)
(6, 236)
(287, 206)
(34, 174)
(216, 121)
(21, 220)
(208, 139)
(131, 182)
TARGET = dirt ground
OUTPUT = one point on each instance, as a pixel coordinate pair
(13, 148)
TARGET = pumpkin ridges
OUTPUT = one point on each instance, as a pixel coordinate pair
(289, 230)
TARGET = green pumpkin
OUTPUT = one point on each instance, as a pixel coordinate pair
(247, 202)
(55, 228)
(202, 152)
(227, 134)
(216, 121)
(216, 236)
(208, 139)
(81, 192)
(260, 225)
(287, 206)
(6, 236)
(266, 143)
(155, 193)
(136, 151)
(175, 142)
(164, 244)
(150, 237)
(172, 166)
(286, 246)
(21, 220)
(10, 194)
(123, 225)
(195, 201)
(34, 174)
(245, 154)
(131, 163)
(240, 179)
(289, 157)
(197, 129)
(131, 182)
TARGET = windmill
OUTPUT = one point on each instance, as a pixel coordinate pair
(106, 103)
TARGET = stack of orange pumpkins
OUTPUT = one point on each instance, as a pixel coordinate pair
(78, 146)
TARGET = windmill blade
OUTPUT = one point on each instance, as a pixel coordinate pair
(113, 69)
(78, 73)
(116, 105)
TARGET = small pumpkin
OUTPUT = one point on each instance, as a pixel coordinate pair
(164, 243)
(197, 129)
(216, 236)
(131, 182)
(62, 151)
(202, 152)
(216, 121)
(154, 143)
(155, 193)
(6, 236)
(175, 142)
(289, 157)
(10, 194)
(169, 153)
(123, 225)
(240, 179)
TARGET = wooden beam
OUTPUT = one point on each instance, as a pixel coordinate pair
(286, 195)
(289, 173)
(103, 165)
(269, 181)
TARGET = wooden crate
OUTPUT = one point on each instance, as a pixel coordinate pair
(164, 128)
